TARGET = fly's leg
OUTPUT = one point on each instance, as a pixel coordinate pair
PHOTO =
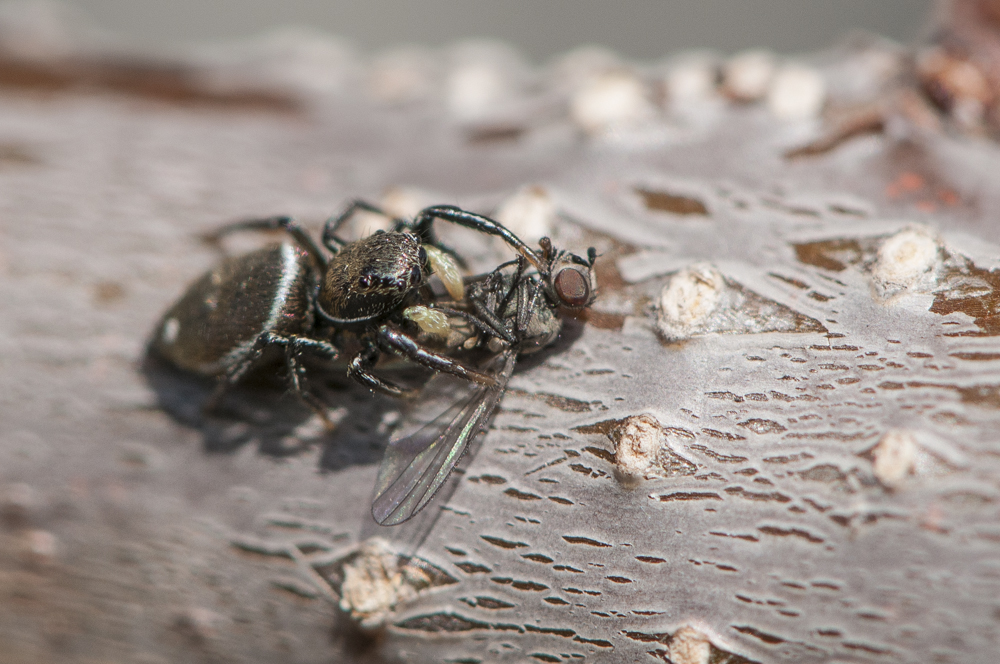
(493, 323)
(514, 284)
(527, 300)
(493, 328)
(527, 292)
(483, 293)
(394, 340)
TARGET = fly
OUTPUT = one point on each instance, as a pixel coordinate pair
(513, 312)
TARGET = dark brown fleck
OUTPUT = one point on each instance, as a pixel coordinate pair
(665, 202)
(502, 543)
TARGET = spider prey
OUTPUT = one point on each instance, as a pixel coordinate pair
(511, 312)
(291, 299)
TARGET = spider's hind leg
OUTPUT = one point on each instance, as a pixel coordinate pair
(294, 348)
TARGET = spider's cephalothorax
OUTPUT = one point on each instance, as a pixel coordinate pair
(371, 278)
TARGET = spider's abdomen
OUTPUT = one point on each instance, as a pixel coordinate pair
(224, 312)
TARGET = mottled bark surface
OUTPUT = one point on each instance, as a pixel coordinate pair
(807, 472)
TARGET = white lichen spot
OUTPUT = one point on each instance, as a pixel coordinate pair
(388, 421)
(18, 504)
(529, 214)
(894, 458)
(38, 548)
(429, 320)
(797, 92)
(306, 60)
(906, 262)
(637, 447)
(643, 451)
(611, 101)
(198, 622)
(582, 64)
(375, 582)
(405, 202)
(446, 268)
(692, 295)
(401, 76)
(474, 89)
(691, 80)
(171, 328)
(689, 646)
(747, 75)
(317, 425)
(962, 83)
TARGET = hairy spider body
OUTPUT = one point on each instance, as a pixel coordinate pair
(214, 326)
(371, 278)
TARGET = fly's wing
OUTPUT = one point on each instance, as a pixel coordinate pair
(415, 466)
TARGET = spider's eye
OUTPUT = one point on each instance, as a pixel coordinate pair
(572, 287)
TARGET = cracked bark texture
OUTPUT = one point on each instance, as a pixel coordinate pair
(817, 474)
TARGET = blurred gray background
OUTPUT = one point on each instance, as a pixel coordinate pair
(644, 29)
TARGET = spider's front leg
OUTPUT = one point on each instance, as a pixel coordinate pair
(361, 367)
(330, 239)
(423, 222)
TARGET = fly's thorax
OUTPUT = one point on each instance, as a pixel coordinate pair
(371, 278)
(542, 329)
(537, 324)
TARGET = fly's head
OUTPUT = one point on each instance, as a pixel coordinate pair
(569, 279)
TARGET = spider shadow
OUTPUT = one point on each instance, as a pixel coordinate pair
(261, 411)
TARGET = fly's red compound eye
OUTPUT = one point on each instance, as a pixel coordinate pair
(572, 287)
